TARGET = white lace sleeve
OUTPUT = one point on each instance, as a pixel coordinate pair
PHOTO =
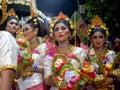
(8, 51)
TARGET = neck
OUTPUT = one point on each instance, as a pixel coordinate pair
(63, 44)
(34, 41)
(99, 49)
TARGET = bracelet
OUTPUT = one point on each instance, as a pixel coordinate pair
(35, 67)
(114, 79)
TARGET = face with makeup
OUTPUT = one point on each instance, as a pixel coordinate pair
(61, 33)
(98, 39)
(12, 26)
(29, 32)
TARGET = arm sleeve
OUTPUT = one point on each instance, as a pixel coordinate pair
(8, 51)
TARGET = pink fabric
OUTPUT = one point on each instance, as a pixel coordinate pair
(41, 86)
(49, 43)
(35, 51)
(85, 47)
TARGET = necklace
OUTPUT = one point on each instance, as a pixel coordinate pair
(33, 46)
(65, 49)
(63, 45)
(101, 52)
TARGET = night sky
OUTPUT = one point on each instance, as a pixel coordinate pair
(53, 7)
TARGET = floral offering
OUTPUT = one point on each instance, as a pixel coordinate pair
(64, 74)
(96, 68)
(25, 57)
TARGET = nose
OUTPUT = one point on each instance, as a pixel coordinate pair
(59, 30)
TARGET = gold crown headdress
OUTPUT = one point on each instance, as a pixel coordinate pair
(5, 14)
(97, 22)
(61, 16)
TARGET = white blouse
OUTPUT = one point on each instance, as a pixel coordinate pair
(36, 78)
(8, 51)
(78, 52)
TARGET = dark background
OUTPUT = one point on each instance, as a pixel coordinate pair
(53, 7)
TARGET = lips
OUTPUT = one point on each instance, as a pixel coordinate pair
(98, 43)
(60, 35)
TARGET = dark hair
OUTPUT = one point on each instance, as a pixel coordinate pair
(11, 17)
(7, 20)
(97, 29)
(35, 23)
(68, 25)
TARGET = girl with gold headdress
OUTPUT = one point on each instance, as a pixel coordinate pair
(32, 76)
(62, 60)
(99, 59)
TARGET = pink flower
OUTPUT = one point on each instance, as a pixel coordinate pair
(19, 58)
(70, 85)
(75, 79)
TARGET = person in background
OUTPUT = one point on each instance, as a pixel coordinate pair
(99, 58)
(8, 60)
(62, 33)
(35, 80)
(116, 44)
(116, 66)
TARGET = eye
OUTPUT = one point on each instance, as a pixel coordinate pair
(26, 29)
(56, 29)
(94, 37)
(101, 36)
(59, 28)
(14, 23)
(63, 28)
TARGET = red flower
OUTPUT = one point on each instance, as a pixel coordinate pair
(61, 17)
(92, 75)
(63, 63)
(104, 58)
(92, 55)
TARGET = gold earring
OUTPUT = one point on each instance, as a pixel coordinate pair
(35, 33)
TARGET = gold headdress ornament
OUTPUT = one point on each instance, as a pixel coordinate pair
(5, 14)
(33, 16)
(61, 16)
(97, 22)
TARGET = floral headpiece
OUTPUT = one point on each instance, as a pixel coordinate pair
(33, 17)
(97, 22)
(61, 16)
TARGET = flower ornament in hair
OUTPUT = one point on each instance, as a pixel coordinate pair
(32, 15)
(61, 16)
(13, 14)
(97, 22)
(35, 21)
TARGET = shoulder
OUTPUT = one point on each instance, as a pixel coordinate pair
(111, 52)
(78, 50)
(6, 36)
(42, 47)
(5, 33)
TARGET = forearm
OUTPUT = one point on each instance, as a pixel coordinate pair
(39, 70)
(7, 79)
(49, 81)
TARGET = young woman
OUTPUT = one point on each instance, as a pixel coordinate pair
(33, 81)
(99, 59)
(63, 53)
(11, 24)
